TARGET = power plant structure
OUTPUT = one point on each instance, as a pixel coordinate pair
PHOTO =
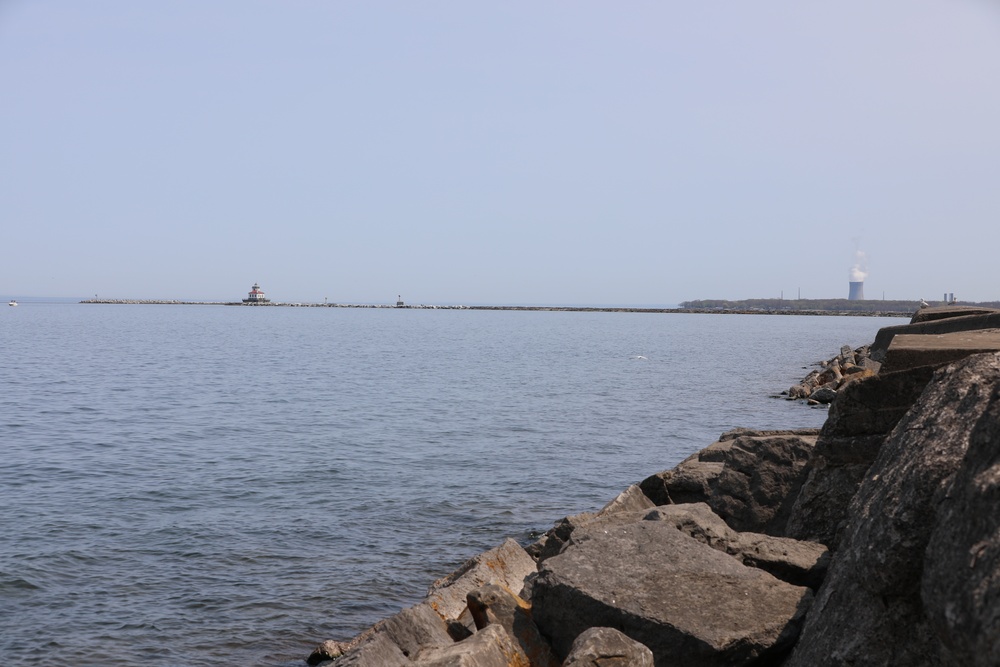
(857, 292)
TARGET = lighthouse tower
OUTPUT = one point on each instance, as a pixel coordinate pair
(256, 296)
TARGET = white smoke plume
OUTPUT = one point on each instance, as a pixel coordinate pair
(859, 271)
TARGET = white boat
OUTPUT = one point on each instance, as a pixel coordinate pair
(12, 303)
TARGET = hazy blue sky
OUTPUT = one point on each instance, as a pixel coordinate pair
(503, 152)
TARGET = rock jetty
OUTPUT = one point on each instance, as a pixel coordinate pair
(874, 540)
(821, 385)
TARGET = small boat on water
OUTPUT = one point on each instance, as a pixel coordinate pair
(12, 303)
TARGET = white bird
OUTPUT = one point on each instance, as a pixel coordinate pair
(923, 304)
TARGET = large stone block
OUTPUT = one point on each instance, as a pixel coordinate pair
(870, 610)
(750, 480)
(378, 650)
(507, 565)
(415, 629)
(960, 584)
(946, 312)
(860, 418)
(607, 647)
(690, 604)
(797, 562)
(912, 350)
(491, 647)
(496, 605)
(874, 405)
(987, 320)
(820, 510)
(621, 509)
(630, 500)
(393, 641)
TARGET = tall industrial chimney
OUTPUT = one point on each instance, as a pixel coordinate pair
(857, 277)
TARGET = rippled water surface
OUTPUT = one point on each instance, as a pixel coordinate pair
(185, 485)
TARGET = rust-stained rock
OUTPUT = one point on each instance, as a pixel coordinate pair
(496, 605)
(507, 565)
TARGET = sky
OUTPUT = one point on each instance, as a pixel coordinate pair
(640, 153)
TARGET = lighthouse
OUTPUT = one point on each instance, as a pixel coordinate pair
(256, 296)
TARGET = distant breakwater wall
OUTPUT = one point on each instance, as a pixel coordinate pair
(568, 309)
(154, 302)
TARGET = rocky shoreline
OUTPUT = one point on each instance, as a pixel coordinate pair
(872, 541)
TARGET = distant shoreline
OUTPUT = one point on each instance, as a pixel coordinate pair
(570, 309)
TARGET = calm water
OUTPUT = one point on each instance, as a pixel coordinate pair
(183, 485)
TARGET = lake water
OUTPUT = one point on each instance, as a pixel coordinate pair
(185, 485)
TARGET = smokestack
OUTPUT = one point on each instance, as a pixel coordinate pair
(857, 277)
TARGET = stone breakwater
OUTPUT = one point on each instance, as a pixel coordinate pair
(872, 541)
(575, 309)
(821, 386)
(154, 302)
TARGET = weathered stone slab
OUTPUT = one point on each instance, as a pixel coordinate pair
(688, 603)
(960, 585)
(689, 482)
(416, 629)
(751, 481)
(860, 418)
(630, 500)
(392, 641)
(912, 350)
(945, 312)
(491, 647)
(621, 509)
(377, 651)
(507, 565)
(496, 605)
(870, 609)
(799, 563)
(607, 647)
(557, 537)
(325, 652)
(989, 320)
(742, 431)
(820, 510)
(874, 405)
(824, 394)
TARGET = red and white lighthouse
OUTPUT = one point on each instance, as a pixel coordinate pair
(256, 296)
